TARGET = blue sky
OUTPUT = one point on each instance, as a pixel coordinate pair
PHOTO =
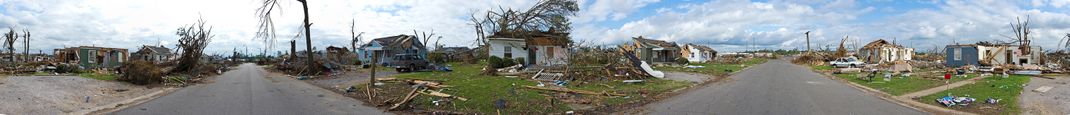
(726, 25)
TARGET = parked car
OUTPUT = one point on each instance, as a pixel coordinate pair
(846, 62)
(409, 62)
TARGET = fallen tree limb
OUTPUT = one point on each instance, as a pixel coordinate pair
(574, 91)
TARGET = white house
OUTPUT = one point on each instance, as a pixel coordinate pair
(540, 51)
(698, 53)
(512, 48)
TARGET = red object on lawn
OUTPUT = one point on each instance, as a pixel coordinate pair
(947, 76)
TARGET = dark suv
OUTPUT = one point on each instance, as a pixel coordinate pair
(409, 62)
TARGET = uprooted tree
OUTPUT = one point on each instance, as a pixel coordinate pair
(546, 16)
(192, 41)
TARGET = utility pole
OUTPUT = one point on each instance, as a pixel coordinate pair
(808, 41)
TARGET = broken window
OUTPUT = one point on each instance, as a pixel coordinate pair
(549, 51)
(958, 54)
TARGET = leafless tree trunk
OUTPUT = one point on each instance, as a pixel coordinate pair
(308, 37)
(354, 36)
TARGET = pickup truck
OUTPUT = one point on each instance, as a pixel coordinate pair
(409, 62)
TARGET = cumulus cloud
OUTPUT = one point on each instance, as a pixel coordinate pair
(730, 25)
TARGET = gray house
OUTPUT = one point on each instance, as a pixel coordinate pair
(390, 46)
(155, 54)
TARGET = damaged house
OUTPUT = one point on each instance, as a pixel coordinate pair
(92, 57)
(985, 54)
(653, 50)
(155, 54)
(882, 51)
(387, 47)
(543, 49)
(698, 53)
(340, 55)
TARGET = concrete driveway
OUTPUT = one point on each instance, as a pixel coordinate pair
(777, 88)
(250, 90)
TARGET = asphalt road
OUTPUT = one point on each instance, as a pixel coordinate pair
(249, 91)
(777, 88)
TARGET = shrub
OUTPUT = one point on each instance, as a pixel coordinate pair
(494, 61)
(140, 72)
(68, 68)
(520, 61)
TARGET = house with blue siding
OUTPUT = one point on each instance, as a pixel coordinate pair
(991, 54)
(387, 47)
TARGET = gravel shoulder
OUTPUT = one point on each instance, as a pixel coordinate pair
(51, 95)
(1054, 102)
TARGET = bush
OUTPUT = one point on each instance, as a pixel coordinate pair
(68, 68)
(437, 57)
(497, 62)
(494, 61)
(520, 61)
(140, 72)
(506, 62)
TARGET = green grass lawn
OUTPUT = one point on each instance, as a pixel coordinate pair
(105, 77)
(483, 90)
(822, 67)
(716, 69)
(1007, 89)
(633, 90)
(899, 86)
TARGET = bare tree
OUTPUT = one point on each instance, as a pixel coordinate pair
(354, 36)
(424, 36)
(1066, 43)
(267, 27)
(9, 43)
(1021, 34)
(192, 41)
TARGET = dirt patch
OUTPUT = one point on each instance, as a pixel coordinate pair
(684, 76)
(342, 81)
(62, 94)
(1053, 102)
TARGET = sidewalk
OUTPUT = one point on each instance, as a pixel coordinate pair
(933, 90)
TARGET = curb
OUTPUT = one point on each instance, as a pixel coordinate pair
(125, 103)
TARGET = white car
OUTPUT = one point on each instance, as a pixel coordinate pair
(846, 62)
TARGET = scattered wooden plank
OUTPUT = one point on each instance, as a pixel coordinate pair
(412, 94)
